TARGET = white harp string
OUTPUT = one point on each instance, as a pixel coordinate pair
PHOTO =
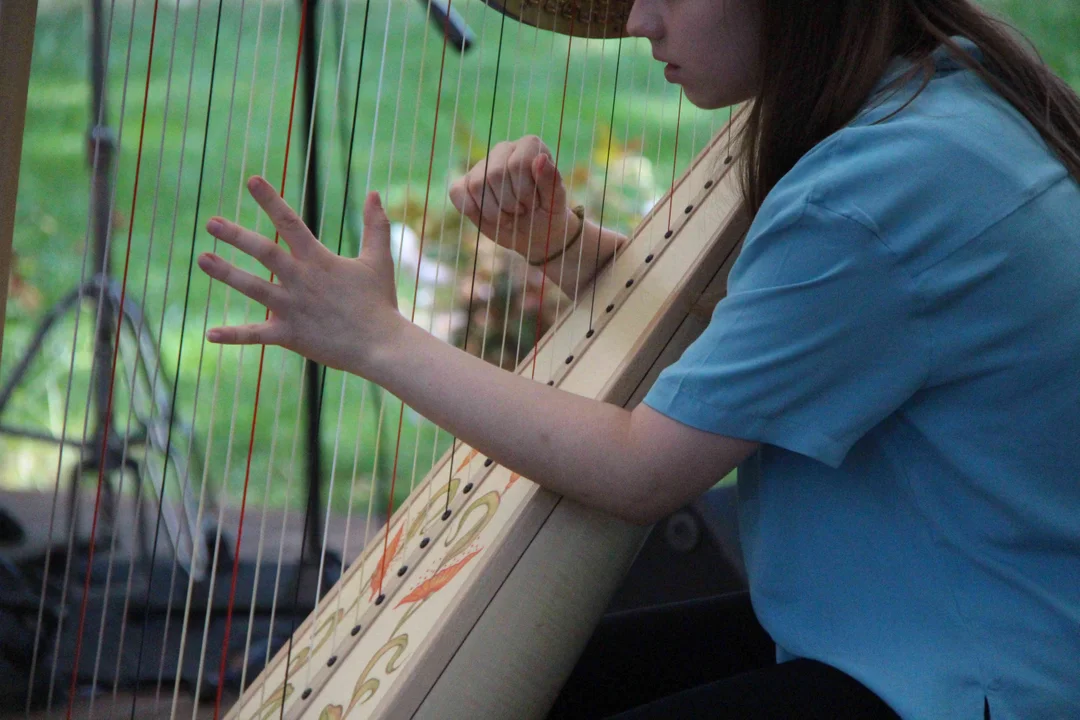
(96, 158)
(99, 318)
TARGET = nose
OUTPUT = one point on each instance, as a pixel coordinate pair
(644, 21)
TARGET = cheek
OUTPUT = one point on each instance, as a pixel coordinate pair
(727, 46)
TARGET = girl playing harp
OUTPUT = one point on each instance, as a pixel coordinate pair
(893, 371)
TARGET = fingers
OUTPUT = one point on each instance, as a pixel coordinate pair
(515, 179)
(483, 205)
(549, 187)
(272, 256)
(259, 290)
(376, 239)
(498, 187)
(266, 333)
(462, 200)
(520, 169)
(289, 225)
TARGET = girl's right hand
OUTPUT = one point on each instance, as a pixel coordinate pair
(517, 198)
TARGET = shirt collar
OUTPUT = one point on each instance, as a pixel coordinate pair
(942, 56)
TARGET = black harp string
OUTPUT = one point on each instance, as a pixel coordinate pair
(563, 255)
(347, 206)
(195, 539)
(112, 377)
(460, 242)
(476, 253)
(101, 335)
(218, 543)
(277, 409)
(228, 617)
(152, 383)
(603, 194)
(101, 55)
(180, 348)
(526, 268)
(322, 384)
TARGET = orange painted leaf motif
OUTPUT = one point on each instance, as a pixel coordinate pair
(467, 460)
(437, 581)
(514, 477)
(384, 562)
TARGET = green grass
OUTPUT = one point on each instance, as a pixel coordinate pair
(393, 142)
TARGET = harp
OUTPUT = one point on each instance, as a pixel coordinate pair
(476, 595)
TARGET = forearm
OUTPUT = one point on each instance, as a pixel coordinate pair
(575, 269)
(575, 446)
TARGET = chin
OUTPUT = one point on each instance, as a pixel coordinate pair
(705, 101)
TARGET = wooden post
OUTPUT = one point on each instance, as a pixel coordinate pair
(16, 46)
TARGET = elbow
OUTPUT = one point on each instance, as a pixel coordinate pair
(645, 505)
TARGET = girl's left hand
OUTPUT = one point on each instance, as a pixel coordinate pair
(334, 310)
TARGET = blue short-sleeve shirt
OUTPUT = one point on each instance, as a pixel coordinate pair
(902, 334)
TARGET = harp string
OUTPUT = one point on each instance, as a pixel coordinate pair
(255, 409)
(455, 267)
(99, 120)
(494, 256)
(675, 159)
(278, 396)
(379, 95)
(344, 210)
(498, 225)
(330, 494)
(172, 405)
(526, 269)
(217, 540)
(222, 503)
(112, 373)
(99, 319)
(592, 155)
(381, 415)
(131, 403)
(558, 148)
(460, 243)
(574, 153)
(317, 232)
(419, 263)
(318, 594)
(607, 169)
(568, 187)
(281, 367)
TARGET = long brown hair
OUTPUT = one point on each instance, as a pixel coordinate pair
(821, 60)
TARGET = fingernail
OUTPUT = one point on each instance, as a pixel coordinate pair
(213, 335)
(206, 260)
(214, 226)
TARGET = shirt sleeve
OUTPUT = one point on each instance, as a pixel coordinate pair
(815, 344)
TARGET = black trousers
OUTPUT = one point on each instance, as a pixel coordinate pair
(707, 658)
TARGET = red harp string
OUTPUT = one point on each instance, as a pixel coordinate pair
(258, 386)
(112, 374)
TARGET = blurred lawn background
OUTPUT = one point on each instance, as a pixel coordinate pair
(246, 135)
